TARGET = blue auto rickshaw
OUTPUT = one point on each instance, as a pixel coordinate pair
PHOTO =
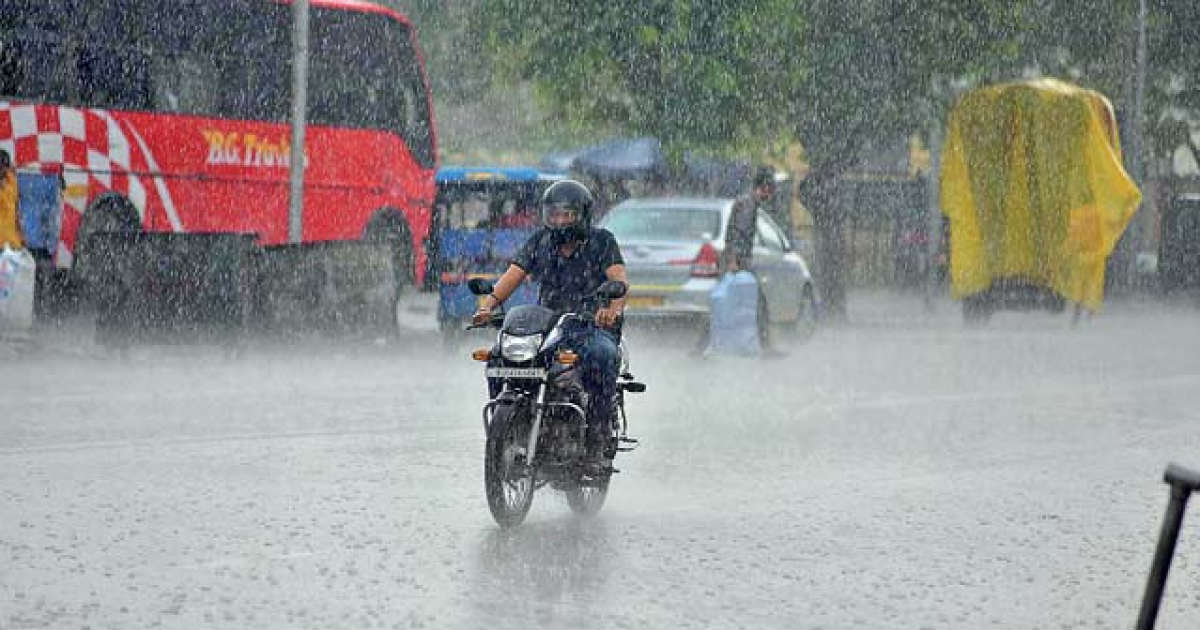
(482, 216)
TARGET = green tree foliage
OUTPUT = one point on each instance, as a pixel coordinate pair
(885, 67)
(692, 74)
(739, 75)
(457, 66)
(1173, 43)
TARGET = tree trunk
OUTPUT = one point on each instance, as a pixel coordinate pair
(819, 193)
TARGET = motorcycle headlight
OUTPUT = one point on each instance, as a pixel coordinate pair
(520, 347)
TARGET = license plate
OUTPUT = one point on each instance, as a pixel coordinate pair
(643, 301)
(508, 372)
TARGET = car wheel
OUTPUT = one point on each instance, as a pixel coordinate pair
(805, 324)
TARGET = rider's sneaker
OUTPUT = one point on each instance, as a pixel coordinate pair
(610, 449)
(596, 460)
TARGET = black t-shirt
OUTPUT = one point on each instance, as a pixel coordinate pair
(567, 282)
(739, 233)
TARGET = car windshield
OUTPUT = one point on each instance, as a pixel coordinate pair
(664, 224)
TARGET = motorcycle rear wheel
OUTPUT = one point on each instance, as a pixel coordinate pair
(509, 489)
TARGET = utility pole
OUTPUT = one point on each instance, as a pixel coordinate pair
(299, 121)
(1139, 98)
(933, 224)
(1137, 133)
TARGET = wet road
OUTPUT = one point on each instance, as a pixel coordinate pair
(896, 472)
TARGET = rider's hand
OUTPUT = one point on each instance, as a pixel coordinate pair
(608, 316)
(483, 315)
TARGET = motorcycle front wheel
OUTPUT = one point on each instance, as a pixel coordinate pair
(587, 500)
(507, 482)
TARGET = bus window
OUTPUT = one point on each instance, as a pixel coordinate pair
(414, 124)
(36, 52)
(364, 74)
(96, 64)
(254, 44)
(45, 56)
(183, 84)
(223, 59)
(113, 71)
(34, 64)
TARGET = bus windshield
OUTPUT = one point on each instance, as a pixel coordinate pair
(215, 58)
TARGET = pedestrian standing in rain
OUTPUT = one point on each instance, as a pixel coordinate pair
(10, 219)
(18, 275)
(739, 243)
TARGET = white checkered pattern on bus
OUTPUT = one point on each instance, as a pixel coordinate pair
(93, 151)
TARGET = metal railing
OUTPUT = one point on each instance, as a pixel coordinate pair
(1183, 482)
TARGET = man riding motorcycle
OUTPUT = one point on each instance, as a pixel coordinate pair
(571, 259)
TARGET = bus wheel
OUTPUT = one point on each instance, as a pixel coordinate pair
(109, 212)
(389, 228)
(96, 259)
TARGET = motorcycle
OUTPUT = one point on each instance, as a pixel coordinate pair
(535, 421)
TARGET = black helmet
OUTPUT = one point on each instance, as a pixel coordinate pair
(566, 198)
(764, 176)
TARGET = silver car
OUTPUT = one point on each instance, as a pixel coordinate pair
(672, 247)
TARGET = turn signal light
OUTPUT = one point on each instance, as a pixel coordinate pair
(567, 357)
(482, 354)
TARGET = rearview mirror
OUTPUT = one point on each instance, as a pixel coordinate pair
(480, 286)
(612, 289)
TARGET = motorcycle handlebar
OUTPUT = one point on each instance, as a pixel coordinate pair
(498, 318)
(496, 321)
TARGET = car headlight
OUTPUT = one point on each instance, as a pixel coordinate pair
(520, 347)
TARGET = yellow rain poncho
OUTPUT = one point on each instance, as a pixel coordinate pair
(10, 220)
(1033, 188)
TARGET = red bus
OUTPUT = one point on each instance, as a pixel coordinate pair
(179, 111)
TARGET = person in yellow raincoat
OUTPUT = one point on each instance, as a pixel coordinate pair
(1034, 191)
(10, 219)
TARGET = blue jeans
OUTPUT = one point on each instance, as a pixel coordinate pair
(599, 360)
